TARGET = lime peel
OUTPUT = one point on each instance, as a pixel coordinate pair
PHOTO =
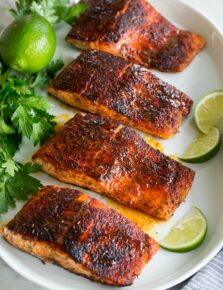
(209, 111)
(28, 44)
(188, 234)
(203, 148)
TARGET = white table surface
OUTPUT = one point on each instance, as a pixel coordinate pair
(10, 280)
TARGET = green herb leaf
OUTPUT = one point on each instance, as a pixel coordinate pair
(15, 182)
(10, 166)
(22, 8)
(23, 113)
(46, 9)
(31, 167)
(3, 201)
(44, 76)
(4, 128)
(10, 144)
(18, 187)
(70, 14)
(21, 120)
(37, 102)
(53, 11)
(40, 132)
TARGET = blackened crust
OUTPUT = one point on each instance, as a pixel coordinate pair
(114, 160)
(104, 243)
(102, 83)
(134, 30)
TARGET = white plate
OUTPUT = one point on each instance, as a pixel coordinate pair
(166, 269)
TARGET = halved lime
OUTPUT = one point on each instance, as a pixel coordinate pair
(209, 111)
(203, 148)
(188, 234)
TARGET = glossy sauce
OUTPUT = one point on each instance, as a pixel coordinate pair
(154, 143)
(61, 120)
(175, 158)
(142, 220)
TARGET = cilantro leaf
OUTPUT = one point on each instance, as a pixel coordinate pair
(15, 181)
(31, 167)
(21, 121)
(17, 187)
(40, 132)
(3, 201)
(5, 129)
(22, 184)
(23, 113)
(3, 68)
(37, 102)
(46, 9)
(53, 11)
(10, 166)
(22, 8)
(70, 14)
(36, 127)
(37, 80)
(43, 77)
(10, 144)
(9, 198)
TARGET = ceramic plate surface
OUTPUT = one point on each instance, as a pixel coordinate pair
(166, 269)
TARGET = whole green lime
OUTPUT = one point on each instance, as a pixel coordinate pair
(28, 44)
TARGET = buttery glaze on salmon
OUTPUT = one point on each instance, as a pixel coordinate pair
(114, 160)
(134, 30)
(107, 85)
(81, 234)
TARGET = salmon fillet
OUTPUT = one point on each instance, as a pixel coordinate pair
(81, 234)
(107, 85)
(114, 160)
(134, 30)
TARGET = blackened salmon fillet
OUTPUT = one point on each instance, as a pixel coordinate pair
(134, 30)
(108, 158)
(81, 234)
(107, 85)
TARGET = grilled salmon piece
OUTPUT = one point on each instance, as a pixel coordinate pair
(104, 156)
(107, 85)
(134, 30)
(81, 234)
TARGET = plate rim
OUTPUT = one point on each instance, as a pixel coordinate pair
(49, 284)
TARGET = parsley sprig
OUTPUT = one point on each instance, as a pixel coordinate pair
(53, 11)
(23, 113)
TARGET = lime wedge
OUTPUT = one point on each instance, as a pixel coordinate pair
(209, 111)
(203, 148)
(188, 234)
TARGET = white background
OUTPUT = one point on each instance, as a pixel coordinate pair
(10, 280)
